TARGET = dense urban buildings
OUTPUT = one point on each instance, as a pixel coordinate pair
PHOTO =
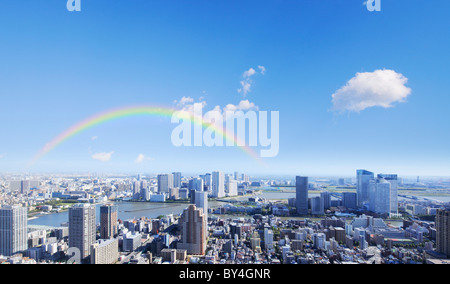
(297, 220)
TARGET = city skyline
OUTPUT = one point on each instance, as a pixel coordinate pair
(177, 54)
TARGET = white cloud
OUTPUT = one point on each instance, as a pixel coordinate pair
(2, 155)
(246, 83)
(250, 72)
(243, 105)
(140, 158)
(262, 69)
(94, 138)
(380, 88)
(184, 100)
(104, 157)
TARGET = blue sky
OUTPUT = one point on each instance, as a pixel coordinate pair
(58, 67)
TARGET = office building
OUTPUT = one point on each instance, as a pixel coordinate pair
(393, 180)
(317, 207)
(105, 252)
(301, 196)
(196, 184)
(218, 184)
(13, 230)
(326, 197)
(443, 232)
(193, 231)
(108, 221)
(380, 196)
(82, 229)
(349, 200)
(176, 179)
(201, 201)
(363, 178)
(232, 188)
(131, 241)
(165, 181)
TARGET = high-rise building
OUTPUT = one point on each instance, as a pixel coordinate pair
(105, 251)
(196, 184)
(317, 207)
(108, 221)
(443, 232)
(301, 194)
(165, 181)
(25, 186)
(201, 201)
(326, 197)
(232, 188)
(218, 184)
(393, 180)
(363, 178)
(193, 231)
(349, 200)
(268, 238)
(13, 230)
(380, 196)
(207, 182)
(82, 230)
(176, 179)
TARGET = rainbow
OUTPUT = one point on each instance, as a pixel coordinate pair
(131, 111)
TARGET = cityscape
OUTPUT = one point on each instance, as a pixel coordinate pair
(226, 134)
(218, 218)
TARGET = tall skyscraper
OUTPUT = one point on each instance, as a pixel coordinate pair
(362, 186)
(165, 181)
(82, 228)
(349, 200)
(380, 196)
(232, 188)
(317, 207)
(196, 184)
(443, 232)
(24, 186)
(301, 194)
(13, 230)
(207, 178)
(393, 180)
(201, 201)
(108, 221)
(326, 197)
(218, 184)
(193, 231)
(176, 179)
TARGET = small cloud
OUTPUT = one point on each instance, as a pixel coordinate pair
(243, 105)
(103, 157)
(94, 138)
(381, 88)
(246, 83)
(140, 158)
(262, 69)
(250, 72)
(2, 155)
